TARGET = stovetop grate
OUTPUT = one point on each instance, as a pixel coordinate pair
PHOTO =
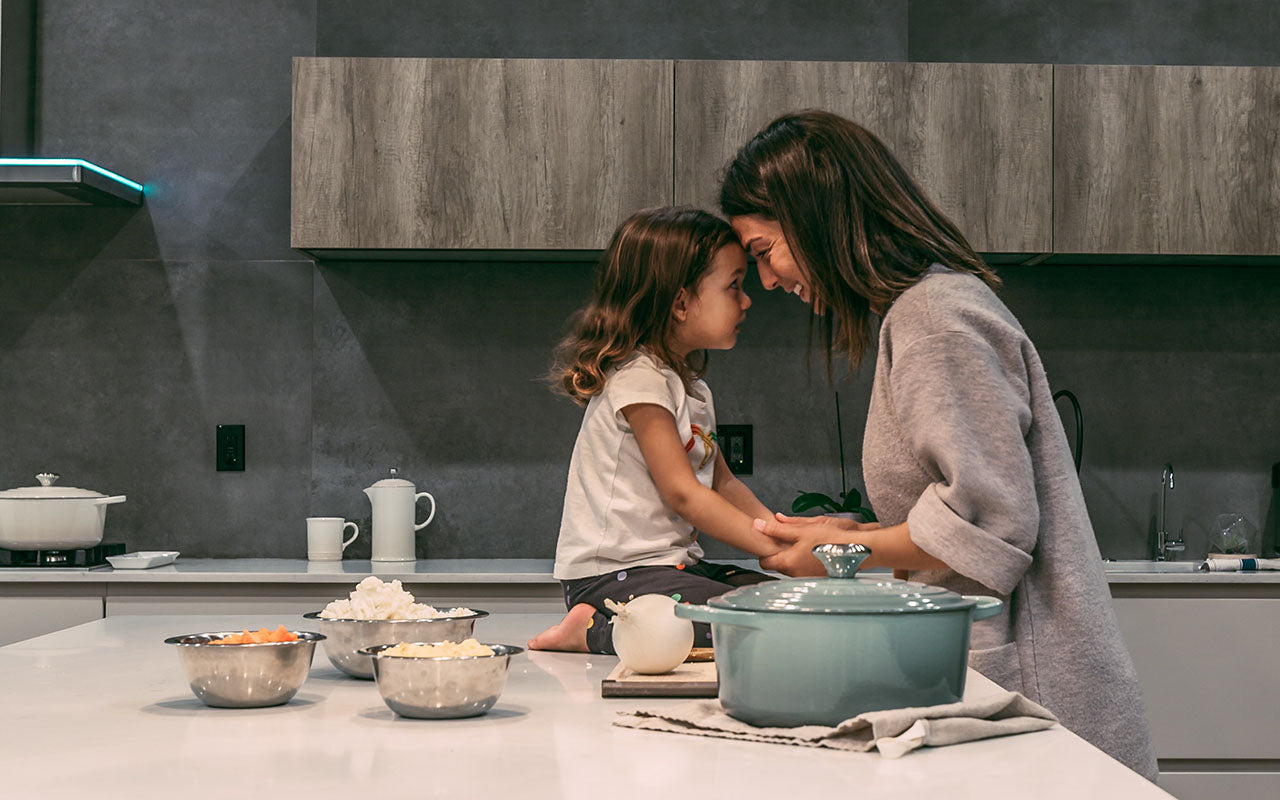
(76, 558)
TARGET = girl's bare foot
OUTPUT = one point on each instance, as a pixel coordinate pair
(569, 635)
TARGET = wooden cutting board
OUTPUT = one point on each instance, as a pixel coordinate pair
(690, 679)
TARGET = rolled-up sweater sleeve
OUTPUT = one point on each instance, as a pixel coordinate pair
(965, 412)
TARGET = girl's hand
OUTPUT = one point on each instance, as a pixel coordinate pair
(890, 547)
(802, 534)
(797, 560)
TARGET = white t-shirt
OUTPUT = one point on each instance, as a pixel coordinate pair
(614, 517)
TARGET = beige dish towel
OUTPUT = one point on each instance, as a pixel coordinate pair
(894, 732)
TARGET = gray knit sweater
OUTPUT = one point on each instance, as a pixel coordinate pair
(964, 443)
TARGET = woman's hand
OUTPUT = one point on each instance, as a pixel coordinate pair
(801, 535)
(890, 547)
(843, 523)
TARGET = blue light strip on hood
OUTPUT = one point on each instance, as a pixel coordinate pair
(69, 162)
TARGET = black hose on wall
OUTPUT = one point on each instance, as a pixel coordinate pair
(1075, 405)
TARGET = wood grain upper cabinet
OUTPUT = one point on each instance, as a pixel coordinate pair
(1167, 160)
(476, 153)
(975, 136)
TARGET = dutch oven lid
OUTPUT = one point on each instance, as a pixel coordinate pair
(46, 490)
(842, 592)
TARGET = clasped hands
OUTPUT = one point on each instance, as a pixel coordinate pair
(797, 537)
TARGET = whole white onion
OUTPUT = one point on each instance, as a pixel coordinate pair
(648, 636)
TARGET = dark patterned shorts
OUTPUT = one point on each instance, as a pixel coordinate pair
(696, 583)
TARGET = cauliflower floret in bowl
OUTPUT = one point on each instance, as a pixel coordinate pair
(379, 612)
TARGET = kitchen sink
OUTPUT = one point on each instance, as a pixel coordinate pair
(1140, 565)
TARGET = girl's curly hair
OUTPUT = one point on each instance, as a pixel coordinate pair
(653, 255)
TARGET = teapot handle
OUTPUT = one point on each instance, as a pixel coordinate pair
(430, 516)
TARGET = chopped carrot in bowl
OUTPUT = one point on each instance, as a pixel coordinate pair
(260, 636)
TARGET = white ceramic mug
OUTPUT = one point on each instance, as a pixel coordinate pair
(324, 537)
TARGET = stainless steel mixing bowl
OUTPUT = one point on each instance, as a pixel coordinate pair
(346, 637)
(441, 687)
(245, 675)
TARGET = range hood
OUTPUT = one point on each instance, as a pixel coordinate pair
(24, 178)
(64, 181)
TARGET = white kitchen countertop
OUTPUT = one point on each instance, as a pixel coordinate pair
(295, 570)
(458, 570)
(103, 710)
(1252, 578)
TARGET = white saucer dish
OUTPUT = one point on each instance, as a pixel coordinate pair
(143, 559)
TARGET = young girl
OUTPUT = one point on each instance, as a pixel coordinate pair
(645, 471)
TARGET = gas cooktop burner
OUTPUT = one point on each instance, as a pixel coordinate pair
(78, 558)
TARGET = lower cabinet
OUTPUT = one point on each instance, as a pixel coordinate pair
(34, 610)
(1208, 660)
(1222, 785)
(277, 599)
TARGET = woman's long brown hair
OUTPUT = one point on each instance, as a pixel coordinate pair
(653, 255)
(859, 227)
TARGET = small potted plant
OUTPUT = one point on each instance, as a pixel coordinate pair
(850, 502)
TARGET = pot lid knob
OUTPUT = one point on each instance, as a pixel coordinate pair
(47, 478)
(842, 560)
(393, 482)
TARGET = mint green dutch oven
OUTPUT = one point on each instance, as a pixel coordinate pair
(818, 651)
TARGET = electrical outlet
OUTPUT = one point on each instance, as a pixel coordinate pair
(230, 448)
(735, 444)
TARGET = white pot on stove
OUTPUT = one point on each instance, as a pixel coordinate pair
(48, 517)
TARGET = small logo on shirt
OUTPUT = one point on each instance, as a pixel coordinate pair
(708, 444)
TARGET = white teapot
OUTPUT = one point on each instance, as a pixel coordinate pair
(395, 509)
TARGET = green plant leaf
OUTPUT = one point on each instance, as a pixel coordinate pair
(852, 500)
(808, 500)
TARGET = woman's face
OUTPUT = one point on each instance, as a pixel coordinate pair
(763, 239)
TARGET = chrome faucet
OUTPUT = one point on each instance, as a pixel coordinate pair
(1164, 544)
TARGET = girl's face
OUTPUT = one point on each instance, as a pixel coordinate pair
(763, 239)
(710, 316)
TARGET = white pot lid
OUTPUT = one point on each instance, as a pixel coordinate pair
(47, 491)
(393, 482)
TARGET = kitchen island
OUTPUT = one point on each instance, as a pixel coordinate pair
(103, 709)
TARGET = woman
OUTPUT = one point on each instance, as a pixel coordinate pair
(964, 455)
